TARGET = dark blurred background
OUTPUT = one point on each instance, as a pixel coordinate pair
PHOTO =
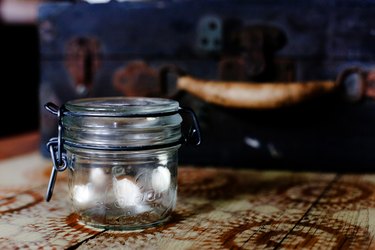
(20, 72)
(60, 50)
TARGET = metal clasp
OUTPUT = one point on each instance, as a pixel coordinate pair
(55, 147)
(193, 134)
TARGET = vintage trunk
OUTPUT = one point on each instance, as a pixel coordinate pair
(125, 48)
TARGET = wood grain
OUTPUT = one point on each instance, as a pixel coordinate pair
(18, 145)
(217, 208)
(343, 216)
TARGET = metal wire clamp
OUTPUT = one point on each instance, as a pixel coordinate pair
(55, 147)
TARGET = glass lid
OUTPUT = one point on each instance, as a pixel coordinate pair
(121, 106)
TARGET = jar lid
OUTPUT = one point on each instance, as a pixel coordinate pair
(122, 106)
(121, 123)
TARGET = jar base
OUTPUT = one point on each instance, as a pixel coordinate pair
(124, 227)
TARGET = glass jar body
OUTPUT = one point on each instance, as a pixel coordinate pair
(123, 189)
(121, 153)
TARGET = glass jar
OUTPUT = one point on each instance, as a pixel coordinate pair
(122, 157)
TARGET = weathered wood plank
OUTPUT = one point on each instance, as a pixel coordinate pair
(225, 209)
(216, 209)
(26, 220)
(18, 145)
(342, 218)
(23, 173)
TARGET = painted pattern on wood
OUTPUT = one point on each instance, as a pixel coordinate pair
(216, 209)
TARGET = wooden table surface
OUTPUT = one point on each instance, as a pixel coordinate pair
(217, 208)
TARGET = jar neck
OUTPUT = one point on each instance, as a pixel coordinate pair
(121, 133)
(70, 144)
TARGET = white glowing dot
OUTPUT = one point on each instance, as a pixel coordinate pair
(252, 142)
(161, 179)
(163, 159)
(82, 193)
(127, 192)
(97, 176)
(97, 1)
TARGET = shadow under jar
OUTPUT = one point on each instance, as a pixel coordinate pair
(121, 153)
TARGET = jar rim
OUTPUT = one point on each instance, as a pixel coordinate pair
(121, 106)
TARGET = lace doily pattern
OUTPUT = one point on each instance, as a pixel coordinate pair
(216, 209)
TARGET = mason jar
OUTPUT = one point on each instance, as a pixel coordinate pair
(122, 158)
